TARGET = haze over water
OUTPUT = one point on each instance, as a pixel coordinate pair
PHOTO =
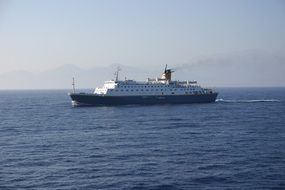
(220, 43)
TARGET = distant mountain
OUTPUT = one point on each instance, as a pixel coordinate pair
(61, 77)
(247, 68)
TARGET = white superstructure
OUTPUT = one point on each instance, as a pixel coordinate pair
(151, 87)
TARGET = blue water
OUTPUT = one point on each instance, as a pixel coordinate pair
(236, 143)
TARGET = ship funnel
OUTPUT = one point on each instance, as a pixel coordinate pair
(167, 74)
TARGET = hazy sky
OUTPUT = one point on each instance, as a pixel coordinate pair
(38, 35)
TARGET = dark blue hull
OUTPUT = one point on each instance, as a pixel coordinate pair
(79, 99)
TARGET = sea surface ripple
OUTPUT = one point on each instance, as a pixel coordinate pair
(238, 142)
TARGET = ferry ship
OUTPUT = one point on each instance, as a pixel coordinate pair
(161, 90)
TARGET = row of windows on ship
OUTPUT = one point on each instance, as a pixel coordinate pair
(158, 86)
(126, 90)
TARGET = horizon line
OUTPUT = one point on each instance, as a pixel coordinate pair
(54, 89)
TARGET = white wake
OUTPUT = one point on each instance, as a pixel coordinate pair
(248, 101)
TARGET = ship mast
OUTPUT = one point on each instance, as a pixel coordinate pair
(167, 74)
(117, 74)
(73, 85)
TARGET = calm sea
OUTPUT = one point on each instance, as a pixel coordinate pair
(236, 143)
